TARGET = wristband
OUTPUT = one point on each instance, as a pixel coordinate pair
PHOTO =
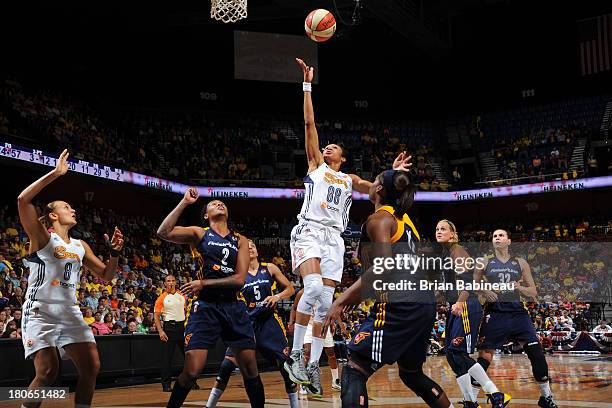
(306, 86)
(114, 253)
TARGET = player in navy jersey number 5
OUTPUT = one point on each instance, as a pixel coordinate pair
(51, 318)
(270, 337)
(216, 309)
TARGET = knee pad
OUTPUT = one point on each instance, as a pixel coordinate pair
(225, 371)
(421, 385)
(354, 392)
(539, 366)
(325, 301)
(313, 286)
(459, 361)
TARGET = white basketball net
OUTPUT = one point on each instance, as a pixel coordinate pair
(228, 11)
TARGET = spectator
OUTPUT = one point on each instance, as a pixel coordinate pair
(98, 326)
(10, 328)
(129, 295)
(16, 301)
(92, 299)
(88, 316)
(602, 328)
(122, 321)
(131, 327)
(17, 317)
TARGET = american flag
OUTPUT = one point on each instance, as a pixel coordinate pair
(595, 44)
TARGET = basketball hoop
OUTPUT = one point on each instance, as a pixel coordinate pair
(228, 11)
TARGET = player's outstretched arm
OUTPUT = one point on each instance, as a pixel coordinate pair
(38, 234)
(168, 231)
(278, 276)
(313, 151)
(109, 270)
(402, 163)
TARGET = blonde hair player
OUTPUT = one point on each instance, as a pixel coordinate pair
(51, 319)
(462, 322)
(317, 249)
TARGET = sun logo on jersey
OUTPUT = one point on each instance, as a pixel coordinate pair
(332, 179)
(60, 253)
(361, 336)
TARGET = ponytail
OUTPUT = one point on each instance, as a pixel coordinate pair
(45, 220)
(399, 191)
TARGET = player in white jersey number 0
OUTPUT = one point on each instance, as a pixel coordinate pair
(317, 249)
(51, 318)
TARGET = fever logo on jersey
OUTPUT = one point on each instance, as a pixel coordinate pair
(361, 336)
(187, 338)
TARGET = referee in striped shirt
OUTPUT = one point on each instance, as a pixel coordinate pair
(171, 306)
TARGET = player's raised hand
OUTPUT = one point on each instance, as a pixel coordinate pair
(61, 167)
(116, 242)
(308, 71)
(402, 162)
(191, 195)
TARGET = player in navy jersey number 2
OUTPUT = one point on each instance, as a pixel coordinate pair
(317, 249)
(270, 336)
(216, 308)
(51, 318)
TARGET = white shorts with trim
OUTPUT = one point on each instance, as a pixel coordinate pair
(309, 241)
(52, 325)
(328, 341)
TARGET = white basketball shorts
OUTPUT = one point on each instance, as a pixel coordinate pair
(52, 325)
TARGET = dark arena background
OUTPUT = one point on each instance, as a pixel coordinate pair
(504, 105)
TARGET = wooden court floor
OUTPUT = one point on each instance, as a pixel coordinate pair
(578, 381)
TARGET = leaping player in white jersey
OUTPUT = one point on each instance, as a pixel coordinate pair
(51, 318)
(317, 249)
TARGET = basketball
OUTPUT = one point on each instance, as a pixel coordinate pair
(320, 25)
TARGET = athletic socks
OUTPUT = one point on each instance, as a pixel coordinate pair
(545, 389)
(294, 401)
(465, 385)
(316, 350)
(334, 372)
(255, 390)
(479, 374)
(214, 396)
(299, 332)
(179, 393)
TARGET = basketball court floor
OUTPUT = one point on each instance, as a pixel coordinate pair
(578, 381)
